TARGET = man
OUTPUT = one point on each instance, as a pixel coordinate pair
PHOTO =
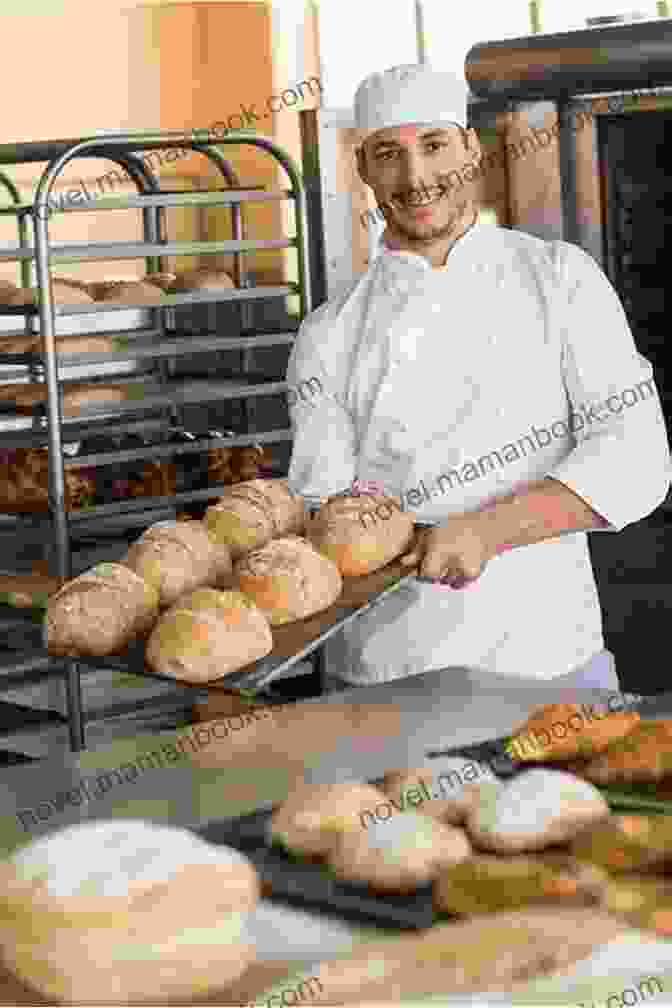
(490, 381)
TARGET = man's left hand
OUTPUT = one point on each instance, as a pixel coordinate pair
(456, 554)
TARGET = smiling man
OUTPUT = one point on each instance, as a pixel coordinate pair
(460, 338)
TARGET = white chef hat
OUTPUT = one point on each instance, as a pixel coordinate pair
(411, 93)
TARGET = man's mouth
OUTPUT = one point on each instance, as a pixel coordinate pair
(419, 205)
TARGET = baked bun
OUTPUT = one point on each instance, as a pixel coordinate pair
(251, 514)
(202, 279)
(487, 884)
(163, 280)
(127, 292)
(208, 634)
(361, 533)
(644, 756)
(63, 291)
(289, 580)
(627, 843)
(566, 731)
(398, 855)
(99, 612)
(126, 911)
(535, 810)
(442, 790)
(309, 819)
(24, 481)
(27, 395)
(177, 557)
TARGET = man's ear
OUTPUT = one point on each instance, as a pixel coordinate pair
(474, 145)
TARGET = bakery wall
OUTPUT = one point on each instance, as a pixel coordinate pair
(167, 65)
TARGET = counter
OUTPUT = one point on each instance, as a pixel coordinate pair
(356, 734)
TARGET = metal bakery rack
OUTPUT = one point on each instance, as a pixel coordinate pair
(153, 340)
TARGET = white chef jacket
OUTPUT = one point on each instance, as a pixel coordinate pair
(425, 372)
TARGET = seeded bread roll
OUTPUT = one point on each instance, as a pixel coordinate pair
(399, 854)
(127, 292)
(535, 810)
(486, 884)
(178, 557)
(250, 514)
(202, 279)
(208, 634)
(309, 819)
(99, 612)
(361, 533)
(289, 580)
(124, 912)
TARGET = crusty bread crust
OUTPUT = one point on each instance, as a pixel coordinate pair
(202, 279)
(361, 533)
(252, 513)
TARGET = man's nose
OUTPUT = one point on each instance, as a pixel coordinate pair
(414, 172)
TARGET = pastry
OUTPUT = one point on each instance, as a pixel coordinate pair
(566, 731)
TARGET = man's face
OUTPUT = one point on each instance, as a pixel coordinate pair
(413, 171)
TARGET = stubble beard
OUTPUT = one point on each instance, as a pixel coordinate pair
(420, 235)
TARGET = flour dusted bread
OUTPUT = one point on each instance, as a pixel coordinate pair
(207, 634)
(252, 513)
(398, 854)
(361, 533)
(176, 557)
(535, 810)
(309, 819)
(487, 884)
(127, 292)
(289, 580)
(126, 911)
(99, 612)
(445, 789)
(202, 279)
(488, 953)
(566, 731)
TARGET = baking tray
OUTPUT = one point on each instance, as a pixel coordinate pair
(310, 884)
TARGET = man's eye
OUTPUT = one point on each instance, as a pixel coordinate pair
(436, 145)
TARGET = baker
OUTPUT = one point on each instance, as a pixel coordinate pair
(489, 380)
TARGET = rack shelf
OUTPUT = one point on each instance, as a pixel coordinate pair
(155, 343)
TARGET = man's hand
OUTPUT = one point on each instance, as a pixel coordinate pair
(456, 555)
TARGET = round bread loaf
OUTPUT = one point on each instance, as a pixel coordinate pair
(99, 612)
(535, 810)
(400, 854)
(83, 396)
(163, 280)
(124, 912)
(127, 292)
(444, 789)
(202, 279)
(361, 533)
(177, 557)
(208, 634)
(250, 514)
(289, 580)
(309, 819)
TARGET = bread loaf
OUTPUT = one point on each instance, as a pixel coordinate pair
(361, 533)
(178, 557)
(27, 395)
(63, 291)
(163, 280)
(126, 912)
(289, 580)
(250, 514)
(127, 292)
(235, 465)
(202, 279)
(208, 634)
(7, 288)
(24, 481)
(100, 612)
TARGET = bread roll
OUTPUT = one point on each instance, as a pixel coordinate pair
(99, 612)
(535, 810)
(177, 557)
(27, 395)
(309, 819)
(644, 756)
(64, 292)
(361, 533)
(7, 288)
(289, 580)
(127, 292)
(202, 279)
(251, 514)
(442, 790)
(208, 634)
(163, 280)
(565, 731)
(627, 843)
(24, 481)
(124, 912)
(398, 855)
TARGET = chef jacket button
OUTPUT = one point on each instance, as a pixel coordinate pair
(436, 307)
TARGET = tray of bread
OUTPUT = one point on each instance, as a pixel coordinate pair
(476, 831)
(237, 597)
